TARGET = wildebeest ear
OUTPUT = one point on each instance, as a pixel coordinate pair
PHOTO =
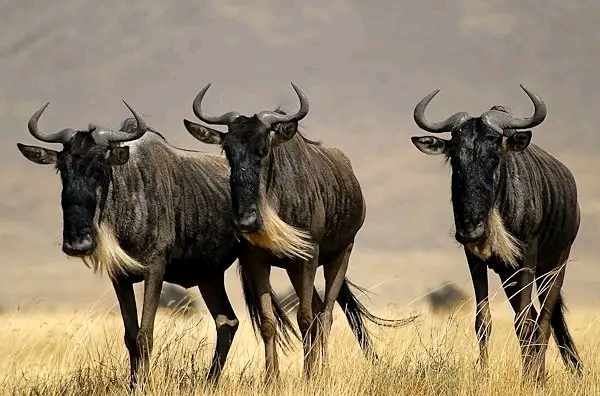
(284, 132)
(518, 141)
(118, 155)
(36, 154)
(204, 134)
(430, 145)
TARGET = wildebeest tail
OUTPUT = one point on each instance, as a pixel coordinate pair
(566, 345)
(356, 313)
(285, 329)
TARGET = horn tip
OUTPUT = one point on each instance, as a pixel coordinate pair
(524, 88)
(431, 94)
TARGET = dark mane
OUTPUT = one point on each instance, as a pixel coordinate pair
(279, 109)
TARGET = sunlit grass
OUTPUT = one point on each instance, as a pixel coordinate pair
(78, 353)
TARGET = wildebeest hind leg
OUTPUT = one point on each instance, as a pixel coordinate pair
(335, 274)
(549, 283)
(226, 323)
(128, 308)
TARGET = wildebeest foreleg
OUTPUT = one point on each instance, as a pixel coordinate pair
(335, 274)
(317, 303)
(306, 319)
(258, 274)
(128, 308)
(483, 317)
(152, 288)
(518, 288)
(226, 323)
(311, 331)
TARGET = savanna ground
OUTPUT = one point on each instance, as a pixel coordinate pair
(82, 352)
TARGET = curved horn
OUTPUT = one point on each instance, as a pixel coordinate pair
(224, 119)
(436, 127)
(62, 136)
(502, 121)
(270, 117)
(105, 136)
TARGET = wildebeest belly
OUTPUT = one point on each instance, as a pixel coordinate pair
(341, 229)
(193, 271)
(202, 258)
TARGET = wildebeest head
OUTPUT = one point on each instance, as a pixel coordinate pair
(247, 145)
(84, 165)
(475, 150)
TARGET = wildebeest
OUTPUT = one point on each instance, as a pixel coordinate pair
(177, 299)
(300, 206)
(151, 212)
(448, 297)
(516, 212)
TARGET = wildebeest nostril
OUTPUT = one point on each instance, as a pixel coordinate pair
(470, 233)
(247, 219)
(78, 246)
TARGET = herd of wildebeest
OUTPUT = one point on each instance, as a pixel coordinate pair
(141, 209)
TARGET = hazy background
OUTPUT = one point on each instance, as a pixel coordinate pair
(363, 66)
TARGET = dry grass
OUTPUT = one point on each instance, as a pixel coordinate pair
(83, 353)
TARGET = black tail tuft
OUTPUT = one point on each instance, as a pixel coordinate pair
(356, 313)
(563, 338)
(286, 330)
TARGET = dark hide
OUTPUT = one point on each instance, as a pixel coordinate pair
(505, 189)
(311, 188)
(169, 211)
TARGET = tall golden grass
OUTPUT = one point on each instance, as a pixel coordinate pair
(81, 353)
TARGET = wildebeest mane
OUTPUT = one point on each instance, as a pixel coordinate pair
(301, 175)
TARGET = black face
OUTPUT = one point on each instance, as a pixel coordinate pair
(84, 168)
(247, 146)
(474, 155)
(474, 152)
